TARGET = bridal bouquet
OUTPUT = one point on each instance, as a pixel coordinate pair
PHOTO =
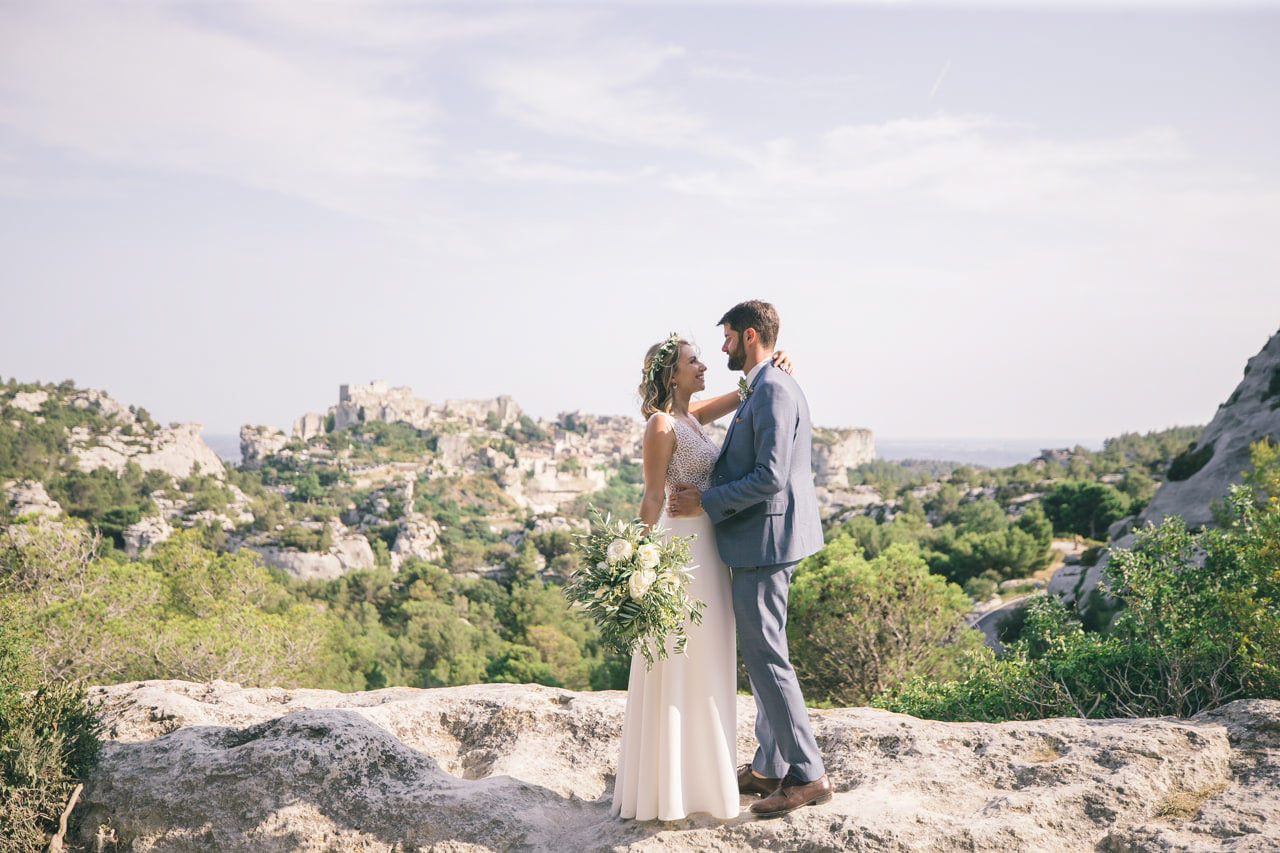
(635, 585)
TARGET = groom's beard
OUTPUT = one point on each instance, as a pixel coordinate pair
(738, 357)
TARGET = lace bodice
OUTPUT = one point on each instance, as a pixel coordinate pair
(695, 454)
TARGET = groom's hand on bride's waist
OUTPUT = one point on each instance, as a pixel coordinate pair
(684, 499)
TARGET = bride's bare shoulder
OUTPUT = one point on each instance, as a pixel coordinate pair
(659, 423)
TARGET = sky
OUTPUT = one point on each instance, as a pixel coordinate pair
(1001, 220)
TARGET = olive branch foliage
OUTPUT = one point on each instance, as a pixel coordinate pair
(634, 584)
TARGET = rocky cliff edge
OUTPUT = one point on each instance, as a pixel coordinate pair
(525, 767)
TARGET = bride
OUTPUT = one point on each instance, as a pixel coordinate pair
(679, 732)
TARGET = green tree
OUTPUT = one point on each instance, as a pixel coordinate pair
(1084, 508)
(185, 612)
(521, 665)
(1037, 525)
(307, 488)
(859, 627)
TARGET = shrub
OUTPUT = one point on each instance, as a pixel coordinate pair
(1189, 461)
(983, 586)
(1273, 385)
(49, 738)
(1199, 628)
(859, 627)
(183, 612)
(302, 538)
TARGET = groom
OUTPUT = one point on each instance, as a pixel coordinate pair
(762, 503)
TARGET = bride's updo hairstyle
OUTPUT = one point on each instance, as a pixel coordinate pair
(659, 370)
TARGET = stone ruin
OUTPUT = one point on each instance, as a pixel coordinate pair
(376, 401)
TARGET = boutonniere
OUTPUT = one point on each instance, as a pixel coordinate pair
(744, 390)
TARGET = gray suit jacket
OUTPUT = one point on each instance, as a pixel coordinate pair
(761, 498)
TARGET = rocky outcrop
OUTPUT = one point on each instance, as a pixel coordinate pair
(28, 497)
(178, 450)
(524, 767)
(1202, 474)
(546, 489)
(456, 452)
(503, 409)
(1221, 454)
(846, 500)
(835, 451)
(419, 538)
(350, 551)
(103, 404)
(29, 401)
(140, 537)
(259, 442)
(303, 565)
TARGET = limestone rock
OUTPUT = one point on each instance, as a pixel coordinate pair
(561, 524)
(455, 451)
(506, 767)
(840, 499)
(1243, 815)
(1250, 413)
(28, 497)
(103, 404)
(259, 442)
(835, 451)
(419, 537)
(503, 408)
(178, 450)
(352, 549)
(29, 401)
(139, 537)
(548, 490)
(303, 565)
(349, 551)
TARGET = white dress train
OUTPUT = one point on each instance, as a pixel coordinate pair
(679, 732)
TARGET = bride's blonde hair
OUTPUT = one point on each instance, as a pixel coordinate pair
(659, 370)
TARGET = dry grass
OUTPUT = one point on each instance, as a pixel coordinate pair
(1184, 805)
(1042, 754)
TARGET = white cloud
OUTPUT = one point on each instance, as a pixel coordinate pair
(504, 166)
(145, 87)
(394, 26)
(605, 94)
(970, 162)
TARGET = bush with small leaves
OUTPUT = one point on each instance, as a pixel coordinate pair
(49, 738)
(1199, 628)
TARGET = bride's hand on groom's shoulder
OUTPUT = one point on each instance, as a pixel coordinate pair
(782, 360)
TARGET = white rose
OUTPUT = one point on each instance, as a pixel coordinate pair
(619, 550)
(640, 582)
(650, 555)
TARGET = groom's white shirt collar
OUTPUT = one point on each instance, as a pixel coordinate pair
(755, 371)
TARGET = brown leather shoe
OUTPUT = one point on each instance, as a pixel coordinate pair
(750, 783)
(792, 794)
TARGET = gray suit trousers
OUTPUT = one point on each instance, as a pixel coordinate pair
(782, 721)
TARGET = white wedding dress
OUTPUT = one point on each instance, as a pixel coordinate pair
(679, 733)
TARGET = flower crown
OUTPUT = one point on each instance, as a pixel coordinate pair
(668, 347)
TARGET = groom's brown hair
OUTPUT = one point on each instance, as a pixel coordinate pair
(753, 314)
